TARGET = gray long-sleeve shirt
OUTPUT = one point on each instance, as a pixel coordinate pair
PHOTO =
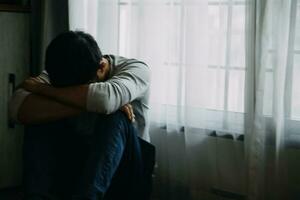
(128, 81)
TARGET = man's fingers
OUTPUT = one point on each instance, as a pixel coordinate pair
(34, 79)
(32, 84)
(129, 111)
(127, 108)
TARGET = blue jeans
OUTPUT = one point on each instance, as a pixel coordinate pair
(86, 157)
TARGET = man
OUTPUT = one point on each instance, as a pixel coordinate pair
(83, 80)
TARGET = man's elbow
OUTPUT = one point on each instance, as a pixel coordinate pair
(16, 103)
(26, 113)
(13, 113)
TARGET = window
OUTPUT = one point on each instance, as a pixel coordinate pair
(226, 57)
(226, 42)
(292, 88)
(227, 26)
(225, 70)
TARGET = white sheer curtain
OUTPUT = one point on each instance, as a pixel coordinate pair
(273, 95)
(219, 67)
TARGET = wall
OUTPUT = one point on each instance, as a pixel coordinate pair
(14, 58)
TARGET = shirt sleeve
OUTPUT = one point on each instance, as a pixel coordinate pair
(20, 95)
(124, 87)
(44, 77)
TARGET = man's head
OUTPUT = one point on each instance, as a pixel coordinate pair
(73, 58)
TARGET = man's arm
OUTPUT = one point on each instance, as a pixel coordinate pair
(103, 97)
(37, 109)
(28, 108)
(63, 103)
(74, 96)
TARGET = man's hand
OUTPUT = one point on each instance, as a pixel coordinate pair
(127, 109)
(33, 85)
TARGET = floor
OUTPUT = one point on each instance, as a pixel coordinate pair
(10, 194)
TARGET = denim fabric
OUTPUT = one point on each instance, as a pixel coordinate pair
(82, 157)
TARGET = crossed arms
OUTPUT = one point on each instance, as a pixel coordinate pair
(46, 103)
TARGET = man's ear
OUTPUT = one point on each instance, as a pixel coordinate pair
(100, 70)
(101, 65)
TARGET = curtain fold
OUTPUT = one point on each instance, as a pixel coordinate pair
(270, 54)
(48, 19)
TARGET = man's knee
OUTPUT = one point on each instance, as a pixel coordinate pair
(116, 116)
(117, 120)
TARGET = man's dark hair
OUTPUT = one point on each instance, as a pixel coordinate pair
(72, 58)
